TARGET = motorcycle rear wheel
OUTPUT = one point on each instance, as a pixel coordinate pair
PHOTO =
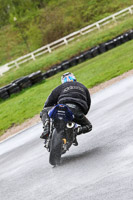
(55, 148)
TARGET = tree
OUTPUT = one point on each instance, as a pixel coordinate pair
(4, 12)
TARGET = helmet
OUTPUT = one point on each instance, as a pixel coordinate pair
(68, 77)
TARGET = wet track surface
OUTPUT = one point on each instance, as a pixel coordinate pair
(100, 168)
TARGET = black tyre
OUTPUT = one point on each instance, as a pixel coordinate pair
(55, 148)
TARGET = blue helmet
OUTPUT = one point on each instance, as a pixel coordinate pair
(68, 77)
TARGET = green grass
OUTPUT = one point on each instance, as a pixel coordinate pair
(29, 102)
(65, 52)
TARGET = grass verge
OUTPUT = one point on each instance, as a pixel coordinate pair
(29, 102)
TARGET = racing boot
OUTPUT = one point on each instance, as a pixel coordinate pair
(46, 124)
(83, 129)
(46, 130)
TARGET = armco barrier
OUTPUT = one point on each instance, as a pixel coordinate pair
(28, 81)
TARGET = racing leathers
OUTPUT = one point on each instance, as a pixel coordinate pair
(77, 97)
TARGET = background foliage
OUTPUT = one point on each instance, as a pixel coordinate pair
(26, 25)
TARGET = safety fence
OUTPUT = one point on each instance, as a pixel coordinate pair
(28, 81)
(65, 40)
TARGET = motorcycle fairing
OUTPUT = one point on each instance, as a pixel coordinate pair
(61, 111)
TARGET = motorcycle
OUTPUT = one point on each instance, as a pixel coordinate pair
(62, 133)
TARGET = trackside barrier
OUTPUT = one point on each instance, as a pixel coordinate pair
(28, 81)
(65, 40)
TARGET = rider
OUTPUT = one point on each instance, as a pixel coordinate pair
(76, 96)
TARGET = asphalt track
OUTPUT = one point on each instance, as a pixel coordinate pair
(100, 168)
